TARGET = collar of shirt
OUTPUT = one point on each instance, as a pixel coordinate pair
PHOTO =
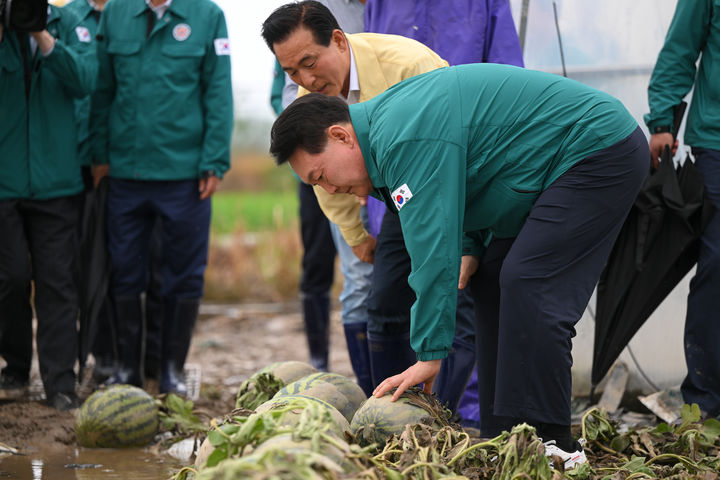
(354, 88)
(93, 5)
(160, 9)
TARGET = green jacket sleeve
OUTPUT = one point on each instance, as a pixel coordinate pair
(71, 60)
(217, 101)
(674, 72)
(104, 94)
(431, 219)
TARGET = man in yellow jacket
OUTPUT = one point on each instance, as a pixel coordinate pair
(320, 57)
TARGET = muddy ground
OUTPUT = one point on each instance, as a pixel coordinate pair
(230, 343)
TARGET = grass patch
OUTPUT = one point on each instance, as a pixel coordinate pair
(253, 211)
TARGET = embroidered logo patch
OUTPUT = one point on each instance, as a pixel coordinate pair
(83, 34)
(222, 46)
(401, 196)
(181, 32)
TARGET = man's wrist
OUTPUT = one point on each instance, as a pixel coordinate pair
(661, 129)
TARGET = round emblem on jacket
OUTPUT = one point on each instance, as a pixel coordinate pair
(181, 31)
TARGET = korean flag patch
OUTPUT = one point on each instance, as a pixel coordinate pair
(401, 196)
(83, 34)
(222, 46)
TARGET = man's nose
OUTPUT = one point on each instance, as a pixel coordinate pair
(307, 79)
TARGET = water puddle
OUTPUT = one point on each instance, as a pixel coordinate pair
(88, 464)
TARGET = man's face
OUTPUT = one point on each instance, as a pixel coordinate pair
(317, 68)
(340, 168)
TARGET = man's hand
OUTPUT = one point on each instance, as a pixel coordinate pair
(421, 372)
(366, 250)
(207, 186)
(98, 172)
(657, 144)
(468, 266)
(45, 41)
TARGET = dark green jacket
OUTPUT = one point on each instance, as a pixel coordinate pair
(89, 18)
(163, 107)
(38, 147)
(695, 29)
(469, 149)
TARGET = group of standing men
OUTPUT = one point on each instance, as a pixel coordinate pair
(138, 91)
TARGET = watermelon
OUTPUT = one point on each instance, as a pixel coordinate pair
(298, 414)
(379, 418)
(286, 456)
(337, 390)
(265, 383)
(320, 411)
(115, 417)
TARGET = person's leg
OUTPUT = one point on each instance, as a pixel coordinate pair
(702, 325)
(318, 267)
(485, 289)
(186, 230)
(357, 276)
(456, 369)
(15, 309)
(389, 304)
(154, 305)
(52, 236)
(130, 218)
(548, 277)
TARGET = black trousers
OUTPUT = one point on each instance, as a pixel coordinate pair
(530, 292)
(318, 261)
(39, 242)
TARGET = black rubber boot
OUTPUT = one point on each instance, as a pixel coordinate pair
(357, 344)
(389, 355)
(316, 313)
(128, 322)
(180, 317)
(455, 373)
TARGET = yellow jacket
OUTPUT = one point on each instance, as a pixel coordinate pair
(382, 61)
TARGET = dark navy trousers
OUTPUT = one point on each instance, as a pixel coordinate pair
(133, 207)
(702, 324)
(526, 318)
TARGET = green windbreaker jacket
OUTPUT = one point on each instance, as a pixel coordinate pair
(163, 107)
(695, 29)
(468, 150)
(38, 146)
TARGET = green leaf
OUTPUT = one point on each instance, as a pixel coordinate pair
(690, 414)
(620, 443)
(217, 456)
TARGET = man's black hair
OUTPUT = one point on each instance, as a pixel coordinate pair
(303, 124)
(310, 14)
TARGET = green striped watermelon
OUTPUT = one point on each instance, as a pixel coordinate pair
(321, 412)
(379, 418)
(265, 383)
(337, 390)
(118, 416)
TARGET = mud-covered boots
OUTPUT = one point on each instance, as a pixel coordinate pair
(180, 317)
(128, 322)
(316, 313)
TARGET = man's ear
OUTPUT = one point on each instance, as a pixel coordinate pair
(339, 133)
(338, 38)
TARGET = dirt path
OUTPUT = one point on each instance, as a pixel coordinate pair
(231, 342)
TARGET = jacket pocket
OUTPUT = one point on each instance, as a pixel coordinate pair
(124, 47)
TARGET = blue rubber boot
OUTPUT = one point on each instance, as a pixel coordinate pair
(357, 344)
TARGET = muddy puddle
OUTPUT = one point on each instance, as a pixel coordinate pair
(88, 464)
